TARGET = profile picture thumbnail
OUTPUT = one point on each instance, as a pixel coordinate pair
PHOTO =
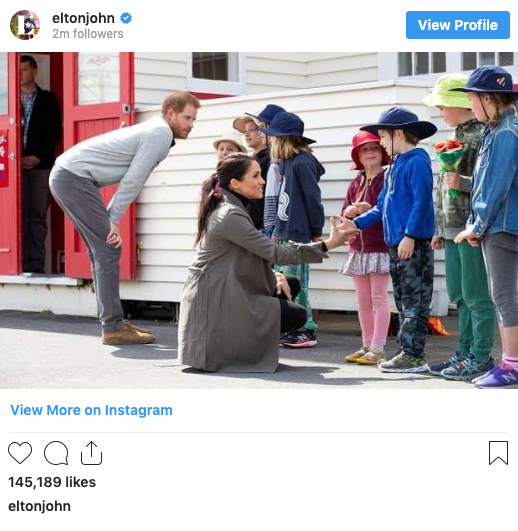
(25, 25)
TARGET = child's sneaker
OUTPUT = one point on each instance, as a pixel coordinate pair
(304, 339)
(468, 369)
(372, 357)
(285, 336)
(355, 356)
(502, 376)
(439, 367)
(403, 363)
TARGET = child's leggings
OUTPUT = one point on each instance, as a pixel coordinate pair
(501, 258)
(373, 308)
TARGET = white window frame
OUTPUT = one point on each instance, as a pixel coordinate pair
(211, 86)
(388, 67)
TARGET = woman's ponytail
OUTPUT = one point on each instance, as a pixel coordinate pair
(210, 199)
(234, 166)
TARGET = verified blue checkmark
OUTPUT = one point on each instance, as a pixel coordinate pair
(126, 18)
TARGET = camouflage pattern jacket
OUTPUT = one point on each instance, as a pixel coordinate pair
(452, 214)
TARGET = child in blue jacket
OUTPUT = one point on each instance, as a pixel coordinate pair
(405, 205)
(494, 209)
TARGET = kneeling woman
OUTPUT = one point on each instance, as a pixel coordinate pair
(232, 310)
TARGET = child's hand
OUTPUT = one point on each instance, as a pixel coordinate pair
(282, 285)
(362, 207)
(469, 236)
(350, 212)
(406, 248)
(452, 180)
(346, 224)
(437, 243)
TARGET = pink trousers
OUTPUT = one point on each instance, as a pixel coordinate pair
(373, 308)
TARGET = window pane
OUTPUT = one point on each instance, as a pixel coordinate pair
(439, 62)
(469, 60)
(3, 82)
(98, 77)
(404, 60)
(422, 63)
(505, 58)
(487, 58)
(210, 65)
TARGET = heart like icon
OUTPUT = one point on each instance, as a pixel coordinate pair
(20, 451)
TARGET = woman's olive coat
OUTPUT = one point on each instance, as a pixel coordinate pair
(229, 319)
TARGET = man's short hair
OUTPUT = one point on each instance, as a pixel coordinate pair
(29, 59)
(178, 100)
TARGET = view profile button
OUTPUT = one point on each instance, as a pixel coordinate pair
(458, 24)
(499, 451)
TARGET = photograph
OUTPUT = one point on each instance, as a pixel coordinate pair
(258, 220)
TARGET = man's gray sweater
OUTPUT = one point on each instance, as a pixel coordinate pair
(126, 156)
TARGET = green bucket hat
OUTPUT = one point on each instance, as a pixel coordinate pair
(441, 95)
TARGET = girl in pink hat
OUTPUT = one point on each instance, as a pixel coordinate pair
(367, 261)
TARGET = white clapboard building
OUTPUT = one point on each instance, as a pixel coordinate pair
(334, 93)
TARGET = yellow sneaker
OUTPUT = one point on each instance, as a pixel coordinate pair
(355, 356)
(372, 357)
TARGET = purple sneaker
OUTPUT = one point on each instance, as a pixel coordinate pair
(503, 376)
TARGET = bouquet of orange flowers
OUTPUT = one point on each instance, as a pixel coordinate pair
(449, 154)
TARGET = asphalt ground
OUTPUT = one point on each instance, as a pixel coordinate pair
(45, 351)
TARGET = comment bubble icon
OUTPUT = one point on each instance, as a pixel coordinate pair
(56, 453)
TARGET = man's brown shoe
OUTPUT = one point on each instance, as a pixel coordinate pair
(127, 335)
(138, 328)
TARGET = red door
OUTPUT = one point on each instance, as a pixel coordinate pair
(10, 159)
(98, 97)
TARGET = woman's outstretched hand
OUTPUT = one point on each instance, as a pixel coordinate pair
(341, 234)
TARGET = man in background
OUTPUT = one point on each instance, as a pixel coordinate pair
(41, 134)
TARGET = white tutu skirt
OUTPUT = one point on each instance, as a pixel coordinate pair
(365, 264)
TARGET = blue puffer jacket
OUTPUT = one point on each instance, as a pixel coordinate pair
(405, 205)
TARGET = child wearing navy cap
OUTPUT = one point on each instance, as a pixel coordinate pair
(493, 222)
(405, 205)
(300, 213)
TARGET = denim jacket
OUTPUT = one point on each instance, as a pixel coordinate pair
(494, 199)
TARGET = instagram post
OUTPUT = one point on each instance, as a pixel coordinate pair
(249, 290)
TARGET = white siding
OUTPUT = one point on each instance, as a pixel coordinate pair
(157, 74)
(166, 208)
(329, 69)
(269, 72)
